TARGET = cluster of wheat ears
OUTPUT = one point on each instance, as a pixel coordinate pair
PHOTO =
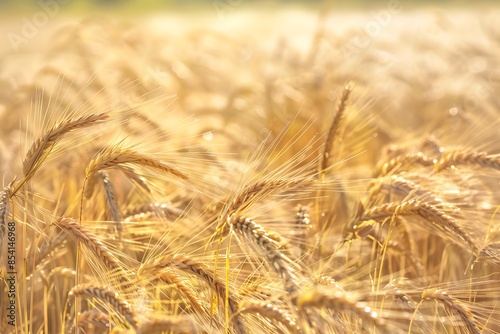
(315, 187)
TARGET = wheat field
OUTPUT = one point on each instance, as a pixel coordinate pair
(287, 172)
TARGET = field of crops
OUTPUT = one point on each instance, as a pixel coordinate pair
(237, 171)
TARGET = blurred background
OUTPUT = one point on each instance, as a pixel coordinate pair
(135, 7)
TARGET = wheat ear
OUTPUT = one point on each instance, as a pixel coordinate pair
(400, 296)
(44, 251)
(128, 171)
(454, 305)
(271, 311)
(460, 157)
(171, 324)
(399, 185)
(138, 180)
(114, 156)
(4, 211)
(107, 295)
(111, 202)
(44, 144)
(303, 226)
(334, 129)
(428, 211)
(339, 301)
(404, 160)
(281, 264)
(261, 189)
(90, 240)
(202, 271)
(93, 317)
(173, 279)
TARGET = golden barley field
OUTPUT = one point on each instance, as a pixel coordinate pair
(284, 171)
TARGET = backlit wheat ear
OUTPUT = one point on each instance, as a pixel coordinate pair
(393, 290)
(401, 186)
(40, 149)
(202, 271)
(437, 218)
(462, 157)
(271, 311)
(138, 212)
(404, 161)
(45, 249)
(404, 250)
(173, 279)
(132, 175)
(91, 242)
(112, 205)
(107, 295)
(340, 301)
(114, 156)
(93, 318)
(4, 211)
(261, 189)
(304, 227)
(454, 306)
(170, 324)
(128, 171)
(281, 264)
(334, 129)
(433, 146)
